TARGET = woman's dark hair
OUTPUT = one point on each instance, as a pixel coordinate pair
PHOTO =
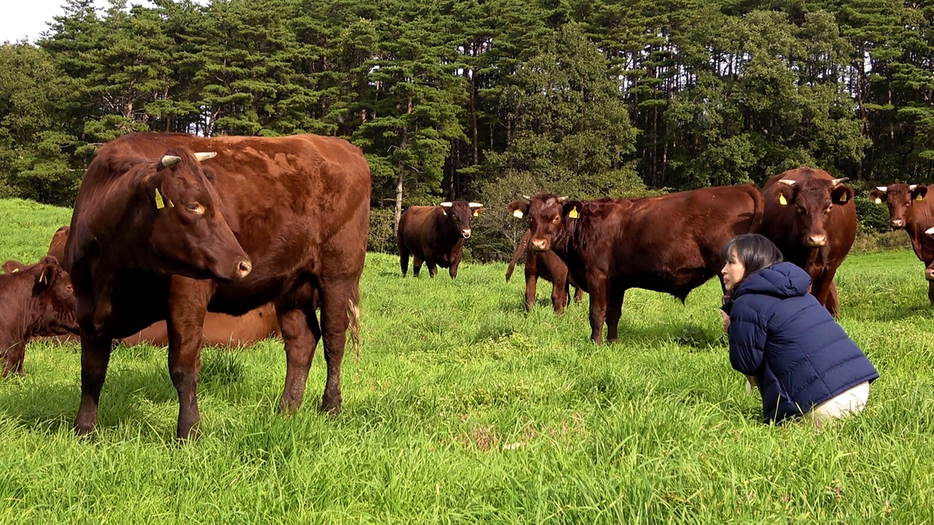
(754, 251)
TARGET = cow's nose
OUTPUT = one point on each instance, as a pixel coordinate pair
(898, 223)
(929, 274)
(816, 241)
(244, 268)
(539, 245)
(466, 233)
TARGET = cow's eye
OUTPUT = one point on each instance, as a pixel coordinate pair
(828, 209)
(556, 220)
(195, 208)
(801, 210)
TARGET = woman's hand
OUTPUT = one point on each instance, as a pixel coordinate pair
(726, 320)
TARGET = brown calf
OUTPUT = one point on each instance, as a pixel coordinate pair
(435, 235)
(668, 244)
(911, 210)
(38, 301)
(550, 267)
(810, 217)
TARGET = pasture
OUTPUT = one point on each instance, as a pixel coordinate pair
(463, 408)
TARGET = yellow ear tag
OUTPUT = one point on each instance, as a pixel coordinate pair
(782, 200)
(42, 277)
(15, 270)
(919, 198)
(573, 213)
(843, 198)
(877, 201)
(476, 213)
(159, 202)
(517, 214)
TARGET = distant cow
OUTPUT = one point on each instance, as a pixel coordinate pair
(911, 210)
(157, 235)
(810, 217)
(219, 329)
(668, 244)
(37, 301)
(548, 266)
(435, 235)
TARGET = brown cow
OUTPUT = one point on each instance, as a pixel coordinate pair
(219, 329)
(37, 302)
(909, 209)
(156, 235)
(668, 244)
(435, 235)
(550, 267)
(810, 217)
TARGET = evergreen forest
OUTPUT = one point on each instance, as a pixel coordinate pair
(487, 100)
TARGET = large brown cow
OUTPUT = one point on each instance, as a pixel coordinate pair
(810, 217)
(911, 210)
(37, 302)
(435, 235)
(668, 244)
(219, 329)
(156, 235)
(548, 266)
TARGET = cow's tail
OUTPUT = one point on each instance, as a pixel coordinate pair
(519, 251)
(353, 314)
(758, 203)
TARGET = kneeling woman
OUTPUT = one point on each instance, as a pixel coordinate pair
(801, 359)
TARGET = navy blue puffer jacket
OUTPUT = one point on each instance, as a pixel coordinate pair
(780, 334)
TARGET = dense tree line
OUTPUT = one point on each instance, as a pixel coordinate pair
(488, 99)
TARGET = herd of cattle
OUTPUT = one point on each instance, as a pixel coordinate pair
(184, 240)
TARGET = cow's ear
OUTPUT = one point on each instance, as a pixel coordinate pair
(878, 195)
(13, 266)
(571, 209)
(786, 192)
(842, 194)
(519, 209)
(154, 186)
(919, 193)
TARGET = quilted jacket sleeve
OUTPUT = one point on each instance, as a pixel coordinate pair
(747, 339)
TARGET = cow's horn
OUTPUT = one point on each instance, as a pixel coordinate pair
(837, 182)
(929, 231)
(205, 155)
(526, 197)
(912, 187)
(446, 204)
(562, 199)
(475, 205)
(787, 182)
(170, 160)
(883, 189)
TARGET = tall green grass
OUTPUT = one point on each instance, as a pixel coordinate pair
(464, 408)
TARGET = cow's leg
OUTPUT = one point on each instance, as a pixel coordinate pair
(531, 281)
(95, 356)
(404, 260)
(300, 331)
(578, 295)
(559, 294)
(614, 310)
(416, 266)
(432, 268)
(13, 359)
(820, 289)
(339, 303)
(597, 312)
(452, 271)
(931, 292)
(188, 300)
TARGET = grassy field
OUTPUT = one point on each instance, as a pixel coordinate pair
(463, 408)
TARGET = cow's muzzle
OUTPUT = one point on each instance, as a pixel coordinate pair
(244, 267)
(466, 233)
(539, 245)
(898, 223)
(929, 273)
(817, 240)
